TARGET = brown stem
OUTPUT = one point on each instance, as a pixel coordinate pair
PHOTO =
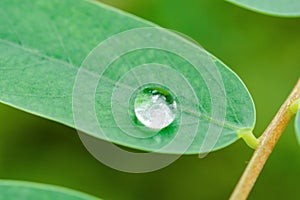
(266, 144)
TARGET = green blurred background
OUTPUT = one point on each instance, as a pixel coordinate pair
(263, 50)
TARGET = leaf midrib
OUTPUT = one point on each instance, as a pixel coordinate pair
(67, 64)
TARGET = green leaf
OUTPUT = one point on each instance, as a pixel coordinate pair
(295, 108)
(53, 65)
(11, 190)
(283, 8)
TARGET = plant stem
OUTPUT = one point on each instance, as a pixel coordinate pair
(249, 138)
(266, 144)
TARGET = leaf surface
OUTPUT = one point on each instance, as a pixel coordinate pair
(11, 190)
(283, 8)
(50, 59)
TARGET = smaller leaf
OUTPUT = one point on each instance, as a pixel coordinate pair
(281, 8)
(12, 190)
(296, 106)
(297, 125)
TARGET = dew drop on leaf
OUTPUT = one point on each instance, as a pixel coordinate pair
(155, 109)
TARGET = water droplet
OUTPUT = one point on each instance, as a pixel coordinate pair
(155, 108)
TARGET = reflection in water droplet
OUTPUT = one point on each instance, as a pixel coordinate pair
(155, 109)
